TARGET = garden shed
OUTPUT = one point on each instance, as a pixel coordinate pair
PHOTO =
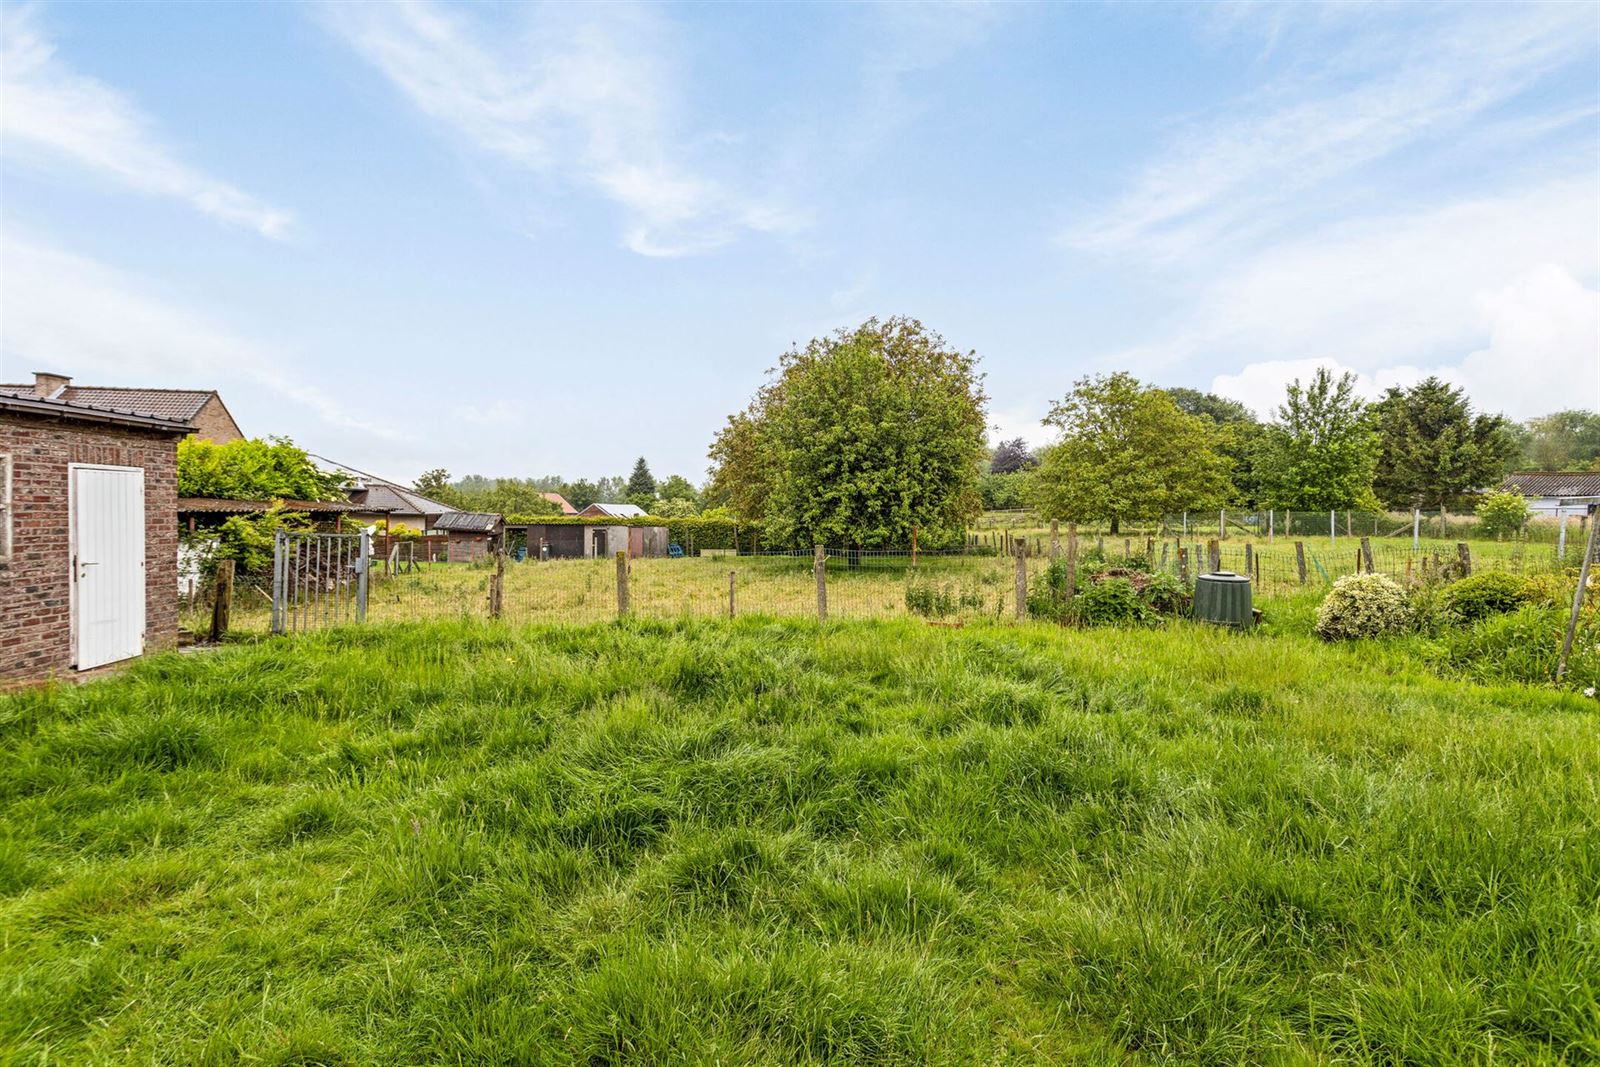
(88, 534)
(473, 534)
(565, 540)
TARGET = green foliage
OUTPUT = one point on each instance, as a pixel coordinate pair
(248, 539)
(1481, 595)
(253, 469)
(1047, 593)
(1127, 452)
(1321, 453)
(1003, 492)
(1432, 450)
(1523, 646)
(1361, 606)
(1009, 457)
(1219, 409)
(1561, 441)
(1502, 514)
(434, 484)
(931, 598)
(862, 438)
(1110, 602)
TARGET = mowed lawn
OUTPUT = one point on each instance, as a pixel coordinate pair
(761, 842)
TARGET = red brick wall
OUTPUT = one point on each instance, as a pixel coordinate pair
(215, 424)
(35, 582)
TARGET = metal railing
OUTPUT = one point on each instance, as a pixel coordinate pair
(319, 579)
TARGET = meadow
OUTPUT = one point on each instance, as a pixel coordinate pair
(766, 841)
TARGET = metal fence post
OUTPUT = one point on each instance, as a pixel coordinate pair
(1561, 538)
(1577, 595)
(362, 566)
(1416, 529)
(819, 567)
(278, 567)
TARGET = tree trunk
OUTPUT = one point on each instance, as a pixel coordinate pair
(1115, 525)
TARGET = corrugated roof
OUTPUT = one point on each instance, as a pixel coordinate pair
(181, 404)
(1563, 484)
(24, 399)
(206, 505)
(616, 511)
(468, 522)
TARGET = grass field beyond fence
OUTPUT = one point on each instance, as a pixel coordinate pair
(770, 842)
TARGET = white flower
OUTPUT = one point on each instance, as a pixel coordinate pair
(1589, 692)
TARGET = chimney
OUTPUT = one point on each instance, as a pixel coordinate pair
(47, 385)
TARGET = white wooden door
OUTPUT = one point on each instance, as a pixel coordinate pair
(107, 508)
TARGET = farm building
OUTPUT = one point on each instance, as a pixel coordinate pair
(203, 512)
(384, 503)
(473, 534)
(612, 511)
(201, 408)
(88, 533)
(1552, 494)
(589, 540)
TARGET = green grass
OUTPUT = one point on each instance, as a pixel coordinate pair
(768, 842)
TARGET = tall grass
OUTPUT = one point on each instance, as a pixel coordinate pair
(761, 842)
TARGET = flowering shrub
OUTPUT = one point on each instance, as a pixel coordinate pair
(1363, 605)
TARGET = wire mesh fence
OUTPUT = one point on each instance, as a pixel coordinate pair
(953, 587)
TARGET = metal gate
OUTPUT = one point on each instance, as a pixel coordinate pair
(319, 579)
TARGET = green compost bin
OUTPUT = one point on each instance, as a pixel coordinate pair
(1223, 598)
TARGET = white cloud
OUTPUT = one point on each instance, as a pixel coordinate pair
(1542, 354)
(585, 97)
(50, 115)
(62, 312)
(1233, 176)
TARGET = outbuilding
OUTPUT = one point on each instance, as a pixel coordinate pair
(473, 534)
(88, 534)
(570, 540)
(1552, 494)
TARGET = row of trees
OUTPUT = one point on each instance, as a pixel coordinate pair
(871, 434)
(673, 496)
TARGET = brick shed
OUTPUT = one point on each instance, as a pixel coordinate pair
(88, 535)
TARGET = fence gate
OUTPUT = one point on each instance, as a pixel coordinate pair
(319, 579)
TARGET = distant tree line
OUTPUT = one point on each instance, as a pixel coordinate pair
(673, 496)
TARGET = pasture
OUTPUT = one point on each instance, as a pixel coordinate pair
(770, 842)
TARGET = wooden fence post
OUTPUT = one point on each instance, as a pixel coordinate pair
(1022, 581)
(819, 567)
(1213, 556)
(1366, 552)
(222, 604)
(497, 585)
(623, 602)
(1464, 553)
(1249, 560)
(1055, 540)
(1300, 560)
(913, 546)
(732, 575)
(1183, 564)
(1072, 560)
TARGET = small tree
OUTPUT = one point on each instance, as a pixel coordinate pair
(1320, 453)
(1127, 452)
(641, 483)
(1500, 514)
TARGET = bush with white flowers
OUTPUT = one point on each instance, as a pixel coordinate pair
(1363, 605)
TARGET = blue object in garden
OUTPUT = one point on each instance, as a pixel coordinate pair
(675, 550)
(522, 553)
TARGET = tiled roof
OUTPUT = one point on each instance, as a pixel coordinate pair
(180, 404)
(22, 398)
(1564, 484)
(386, 496)
(468, 522)
(562, 502)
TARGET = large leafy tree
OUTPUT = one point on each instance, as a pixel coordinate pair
(1561, 441)
(1320, 452)
(1127, 452)
(861, 438)
(1432, 450)
(434, 484)
(1238, 436)
(253, 469)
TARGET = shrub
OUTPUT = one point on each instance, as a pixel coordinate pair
(1521, 646)
(1502, 513)
(1482, 595)
(1363, 605)
(1112, 602)
(1047, 597)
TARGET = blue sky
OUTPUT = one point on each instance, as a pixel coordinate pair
(529, 240)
